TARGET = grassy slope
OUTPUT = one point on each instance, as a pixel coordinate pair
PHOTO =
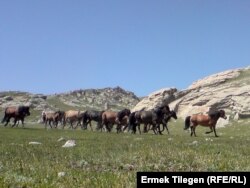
(112, 160)
(241, 80)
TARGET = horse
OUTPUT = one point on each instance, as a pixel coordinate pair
(109, 118)
(18, 119)
(92, 116)
(72, 116)
(208, 120)
(18, 113)
(167, 117)
(52, 117)
(152, 117)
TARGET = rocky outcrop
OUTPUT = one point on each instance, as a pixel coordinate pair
(229, 90)
(158, 98)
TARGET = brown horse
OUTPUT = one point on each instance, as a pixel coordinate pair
(209, 120)
(18, 113)
(109, 118)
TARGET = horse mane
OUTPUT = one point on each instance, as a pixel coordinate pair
(158, 111)
(122, 113)
(214, 114)
(21, 109)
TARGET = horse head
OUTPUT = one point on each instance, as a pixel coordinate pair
(173, 114)
(24, 110)
(122, 113)
(223, 114)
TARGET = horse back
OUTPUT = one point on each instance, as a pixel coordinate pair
(71, 113)
(200, 119)
(11, 110)
(147, 116)
(109, 116)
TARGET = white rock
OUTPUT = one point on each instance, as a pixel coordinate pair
(61, 174)
(69, 143)
(35, 143)
(60, 139)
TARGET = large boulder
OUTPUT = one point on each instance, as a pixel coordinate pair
(228, 90)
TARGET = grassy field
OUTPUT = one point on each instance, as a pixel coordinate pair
(112, 160)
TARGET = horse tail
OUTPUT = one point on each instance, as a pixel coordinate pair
(187, 122)
(5, 116)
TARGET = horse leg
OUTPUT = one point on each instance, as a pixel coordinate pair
(139, 128)
(108, 127)
(90, 126)
(163, 127)
(154, 128)
(14, 123)
(105, 124)
(125, 127)
(64, 122)
(166, 125)
(159, 129)
(50, 124)
(7, 121)
(99, 126)
(145, 128)
(17, 123)
(211, 130)
(77, 124)
(192, 130)
(215, 132)
(71, 124)
(22, 120)
(118, 128)
(56, 124)
(132, 127)
(4, 119)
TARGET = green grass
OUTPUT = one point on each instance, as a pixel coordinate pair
(112, 160)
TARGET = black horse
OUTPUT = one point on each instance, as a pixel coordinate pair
(92, 115)
(18, 113)
(153, 117)
(167, 117)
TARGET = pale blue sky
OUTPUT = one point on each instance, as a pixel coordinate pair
(53, 46)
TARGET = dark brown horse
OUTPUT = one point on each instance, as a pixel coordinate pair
(109, 118)
(209, 120)
(18, 113)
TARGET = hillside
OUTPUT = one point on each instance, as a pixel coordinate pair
(96, 99)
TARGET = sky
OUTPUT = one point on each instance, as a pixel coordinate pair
(55, 46)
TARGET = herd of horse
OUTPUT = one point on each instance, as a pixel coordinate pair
(155, 119)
